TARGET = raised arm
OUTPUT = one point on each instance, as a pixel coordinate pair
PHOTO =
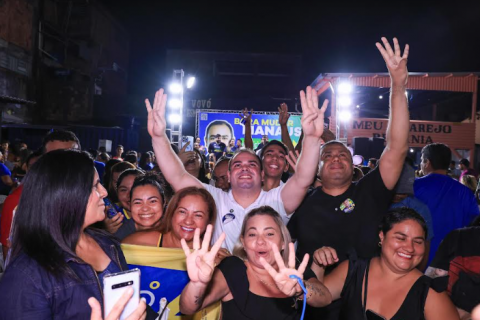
(283, 117)
(312, 125)
(247, 116)
(202, 290)
(391, 161)
(170, 165)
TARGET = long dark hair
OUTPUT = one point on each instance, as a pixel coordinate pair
(51, 211)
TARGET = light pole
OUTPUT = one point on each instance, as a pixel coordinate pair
(175, 105)
(342, 110)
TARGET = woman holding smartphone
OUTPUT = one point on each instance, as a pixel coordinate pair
(57, 261)
(388, 286)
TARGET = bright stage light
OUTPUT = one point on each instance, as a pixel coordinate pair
(344, 88)
(174, 119)
(411, 150)
(190, 82)
(380, 97)
(175, 88)
(175, 103)
(345, 116)
(344, 101)
(358, 106)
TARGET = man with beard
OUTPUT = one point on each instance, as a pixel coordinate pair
(244, 171)
(345, 215)
(217, 148)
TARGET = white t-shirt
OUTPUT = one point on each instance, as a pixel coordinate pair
(230, 214)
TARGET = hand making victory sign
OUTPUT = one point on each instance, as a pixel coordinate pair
(312, 119)
(396, 62)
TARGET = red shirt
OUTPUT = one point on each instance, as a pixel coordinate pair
(6, 218)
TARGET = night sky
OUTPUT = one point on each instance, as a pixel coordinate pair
(336, 37)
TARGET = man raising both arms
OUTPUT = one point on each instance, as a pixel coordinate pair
(244, 171)
(345, 215)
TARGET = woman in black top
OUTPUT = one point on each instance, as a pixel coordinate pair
(388, 286)
(255, 283)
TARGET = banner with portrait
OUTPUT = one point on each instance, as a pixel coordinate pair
(229, 126)
(163, 277)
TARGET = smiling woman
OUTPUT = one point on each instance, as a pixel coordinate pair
(57, 260)
(256, 282)
(394, 287)
(189, 209)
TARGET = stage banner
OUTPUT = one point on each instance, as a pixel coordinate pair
(229, 126)
(163, 277)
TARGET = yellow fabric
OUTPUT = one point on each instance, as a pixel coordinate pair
(168, 258)
(126, 213)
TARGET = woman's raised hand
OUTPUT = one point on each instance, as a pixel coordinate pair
(156, 115)
(284, 283)
(201, 261)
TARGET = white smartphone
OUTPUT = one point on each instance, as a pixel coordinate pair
(115, 284)
(186, 139)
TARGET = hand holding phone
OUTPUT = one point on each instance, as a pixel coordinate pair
(139, 314)
(115, 286)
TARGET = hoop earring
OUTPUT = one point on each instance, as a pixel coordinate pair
(379, 244)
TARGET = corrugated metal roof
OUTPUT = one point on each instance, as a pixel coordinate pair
(455, 81)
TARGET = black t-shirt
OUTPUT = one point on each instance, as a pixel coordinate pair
(461, 247)
(463, 242)
(343, 222)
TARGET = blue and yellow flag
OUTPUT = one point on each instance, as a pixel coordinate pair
(163, 277)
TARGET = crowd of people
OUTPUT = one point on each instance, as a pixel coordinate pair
(273, 232)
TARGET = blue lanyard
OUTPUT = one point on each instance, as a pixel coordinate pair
(300, 282)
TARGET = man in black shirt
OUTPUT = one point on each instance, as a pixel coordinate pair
(345, 215)
(217, 148)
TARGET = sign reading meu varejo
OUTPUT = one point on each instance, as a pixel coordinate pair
(454, 134)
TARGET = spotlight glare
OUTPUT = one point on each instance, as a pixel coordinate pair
(345, 116)
(190, 82)
(175, 103)
(175, 88)
(174, 119)
(344, 101)
(380, 97)
(344, 88)
(358, 106)
(411, 150)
